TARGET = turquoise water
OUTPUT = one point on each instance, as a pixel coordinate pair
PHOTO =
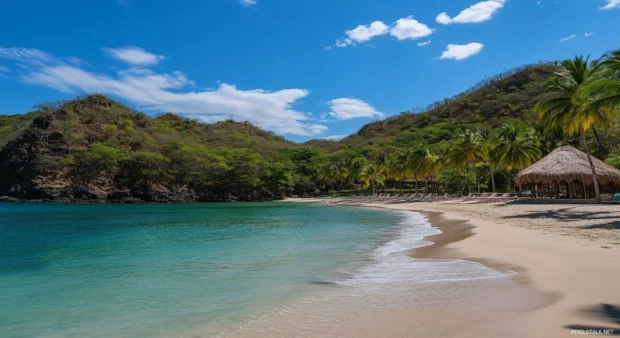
(71, 270)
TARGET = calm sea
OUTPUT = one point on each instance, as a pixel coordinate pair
(69, 270)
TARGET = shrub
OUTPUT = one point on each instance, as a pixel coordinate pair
(455, 181)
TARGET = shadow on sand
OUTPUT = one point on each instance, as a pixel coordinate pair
(571, 214)
(605, 312)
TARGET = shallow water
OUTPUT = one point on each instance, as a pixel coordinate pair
(71, 270)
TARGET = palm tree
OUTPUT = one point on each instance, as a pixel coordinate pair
(342, 171)
(396, 168)
(603, 95)
(316, 174)
(329, 175)
(517, 148)
(382, 161)
(612, 62)
(577, 102)
(467, 149)
(427, 164)
(356, 169)
(614, 160)
(491, 152)
(547, 138)
(409, 162)
(492, 159)
(372, 176)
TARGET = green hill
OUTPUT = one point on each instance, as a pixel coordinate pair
(510, 95)
(96, 149)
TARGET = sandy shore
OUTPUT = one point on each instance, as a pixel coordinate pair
(567, 256)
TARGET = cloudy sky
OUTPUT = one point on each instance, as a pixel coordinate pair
(303, 69)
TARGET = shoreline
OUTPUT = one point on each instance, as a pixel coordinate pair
(575, 277)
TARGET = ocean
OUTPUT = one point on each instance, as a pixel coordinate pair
(78, 270)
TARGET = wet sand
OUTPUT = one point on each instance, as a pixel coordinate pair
(474, 308)
(566, 276)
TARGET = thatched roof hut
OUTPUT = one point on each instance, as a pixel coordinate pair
(567, 164)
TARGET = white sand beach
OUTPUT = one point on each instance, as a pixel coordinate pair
(566, 254)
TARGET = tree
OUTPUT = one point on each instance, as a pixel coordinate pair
(89, 164)
(382, 161)
(468, 148)
(329, 174)
(614, 160)
(278, 179)
(517, 148)
(575, 104)
(188, 164)
(396, 169)
(356, 170)
(455, 181)
(144, 168)
(372, 176)
(427, 164)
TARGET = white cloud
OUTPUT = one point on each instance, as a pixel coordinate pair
(588, 34)
(134, 56)
(424, 43)
(334, 137)
(409, 28)
(174, 92)
(568, 38)
(404, 28)
(477, 13)
(123, 3)
(611, 4)
(461, 52)
(341, 43)
(4, 69)
(347, 109)
(25, 55)
(363, 33)
(248, 2)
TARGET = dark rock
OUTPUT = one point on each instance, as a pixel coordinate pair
(45, 193)
(9, 199)
(152, 195)
(131, 200)
(82, 193)
(119, 194)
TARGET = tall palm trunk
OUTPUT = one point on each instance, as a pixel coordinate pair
(492, 178)
(598, 140)
(597, 190)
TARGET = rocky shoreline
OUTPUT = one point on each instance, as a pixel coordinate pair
(126, 196)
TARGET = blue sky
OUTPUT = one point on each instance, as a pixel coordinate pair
(301, 68)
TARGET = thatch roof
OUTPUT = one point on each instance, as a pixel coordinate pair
(568, 164)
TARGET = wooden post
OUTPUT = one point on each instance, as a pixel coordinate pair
(557, 189)
(584, 190)
(568, 190)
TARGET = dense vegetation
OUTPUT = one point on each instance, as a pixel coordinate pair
(485, 136)
(94, 148)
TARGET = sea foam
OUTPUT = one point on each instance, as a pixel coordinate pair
(392, 269)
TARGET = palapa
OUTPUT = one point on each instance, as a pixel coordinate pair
(568, 164)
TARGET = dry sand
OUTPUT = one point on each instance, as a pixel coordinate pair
(568, 255)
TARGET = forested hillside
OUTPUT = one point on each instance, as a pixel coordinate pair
(508, 96)
(96, 149)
